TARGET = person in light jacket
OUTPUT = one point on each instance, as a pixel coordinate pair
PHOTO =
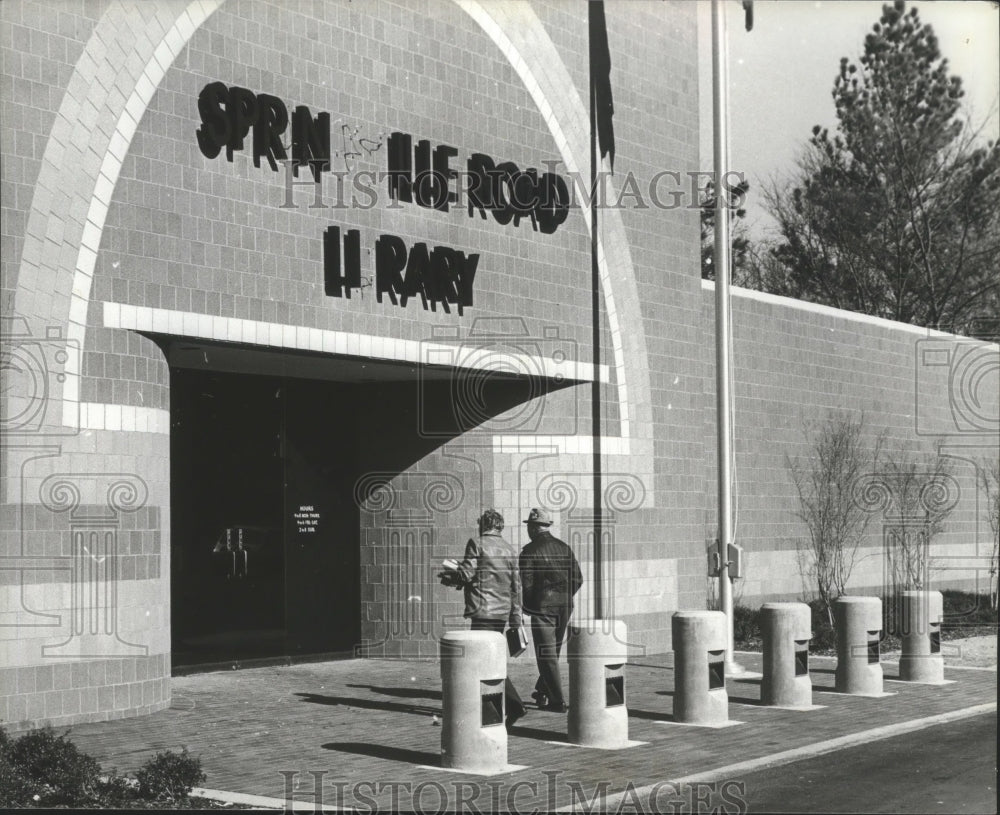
(492, 585)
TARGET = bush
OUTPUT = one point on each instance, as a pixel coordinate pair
(169, 775)
(824, 637)
(42, 769)
(14, 790)
(747, 628)
(115, 791)
(965, 614)
(746, 624)
(53, 768)
(963, 608)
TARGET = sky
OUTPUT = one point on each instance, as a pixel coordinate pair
(782, 73)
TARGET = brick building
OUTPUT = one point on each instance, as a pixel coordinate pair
(248, 410)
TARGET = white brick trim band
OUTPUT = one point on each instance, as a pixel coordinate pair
(827, 311)
(345, 343)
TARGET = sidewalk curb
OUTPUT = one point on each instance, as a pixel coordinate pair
(809, 751)
(717, 774)
(260, 801)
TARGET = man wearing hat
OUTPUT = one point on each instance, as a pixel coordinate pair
(550, 577)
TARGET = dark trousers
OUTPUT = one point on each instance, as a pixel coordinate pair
(548, 629)
(514, 704)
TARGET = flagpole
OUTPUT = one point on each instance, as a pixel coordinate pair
(720, 83)
(595, 308)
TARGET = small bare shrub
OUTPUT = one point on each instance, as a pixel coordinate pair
(839, 456)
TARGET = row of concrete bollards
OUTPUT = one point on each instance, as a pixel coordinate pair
(473, 670)
(474, 666)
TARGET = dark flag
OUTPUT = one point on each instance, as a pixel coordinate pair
(600, 79)
(748, 8)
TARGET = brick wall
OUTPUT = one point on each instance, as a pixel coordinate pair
(121, 236)
(118, 229)
(794, 365)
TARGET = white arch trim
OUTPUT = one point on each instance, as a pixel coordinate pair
(518, 33)
(173, 42)
(516, 30)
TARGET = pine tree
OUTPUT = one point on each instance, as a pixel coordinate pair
(897, 212)
(739, 240)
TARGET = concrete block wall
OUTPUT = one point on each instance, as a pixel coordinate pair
(170, 242)
(652, 491)
(84, 488)
(118, 229)
(793, 365)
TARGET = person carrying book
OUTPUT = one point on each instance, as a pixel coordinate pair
(491, 581)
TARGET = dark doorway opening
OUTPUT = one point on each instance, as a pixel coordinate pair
(267, 449)
(264, 529)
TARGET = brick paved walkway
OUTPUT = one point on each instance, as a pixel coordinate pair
(365, 728)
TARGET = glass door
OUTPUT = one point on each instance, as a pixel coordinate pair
(228, 587)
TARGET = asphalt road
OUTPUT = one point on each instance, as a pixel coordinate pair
(949, 768)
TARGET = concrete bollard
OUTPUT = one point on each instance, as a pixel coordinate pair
(473, 670)
(787, 629)
(858, 622)
(921, 659)
(598, 716)
(699, 642)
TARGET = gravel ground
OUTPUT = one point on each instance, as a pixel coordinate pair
(979, 652)
(974, 651)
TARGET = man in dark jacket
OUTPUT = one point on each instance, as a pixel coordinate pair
(550, 576)
(492, 584)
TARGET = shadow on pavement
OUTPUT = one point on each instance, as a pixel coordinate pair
(743, 700)
(537, 733)
(408, 693)
(653, 717)
(368, 704)
(381, 751)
